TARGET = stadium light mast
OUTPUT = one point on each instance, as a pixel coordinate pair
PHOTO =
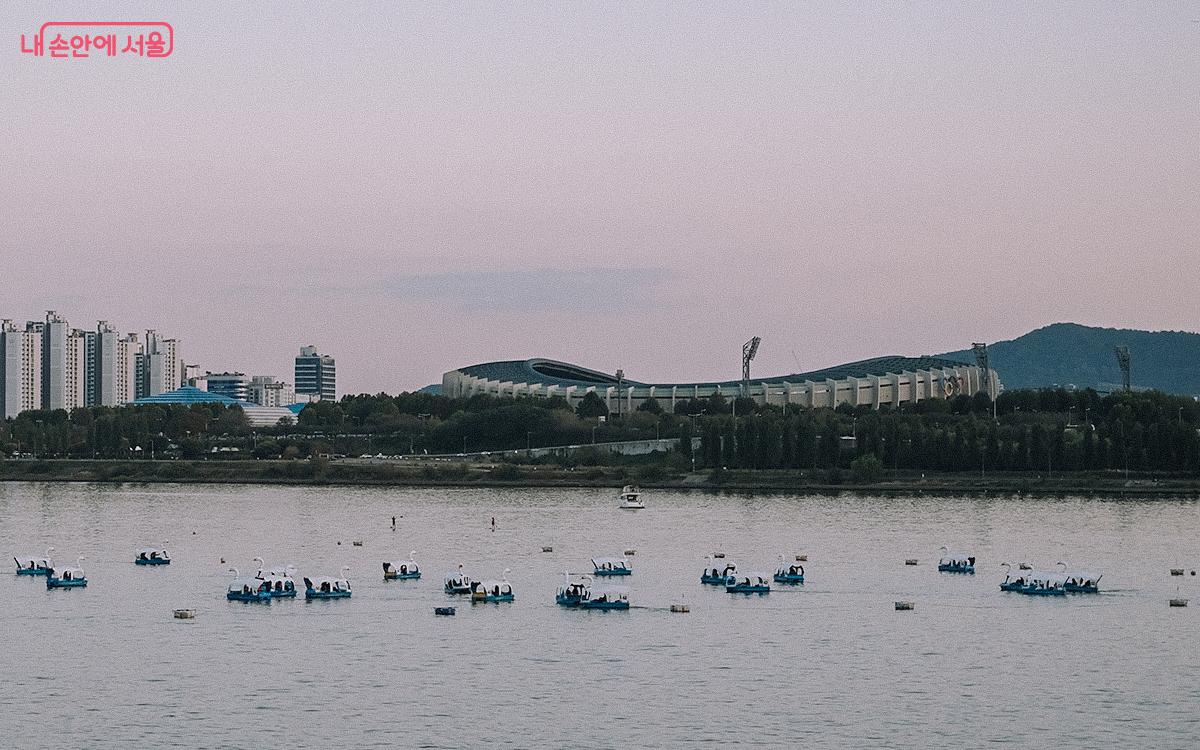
(749, 349)
(1122, 352)
(620, 381)
(981, 359)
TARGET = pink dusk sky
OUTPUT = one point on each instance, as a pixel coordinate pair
(413, 188)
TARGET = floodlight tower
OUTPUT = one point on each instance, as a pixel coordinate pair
(749, 349)
(981, 359)
(1122, 353)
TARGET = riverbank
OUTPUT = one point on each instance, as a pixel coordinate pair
(457, 474)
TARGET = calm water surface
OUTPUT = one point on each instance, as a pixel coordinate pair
(828, 665)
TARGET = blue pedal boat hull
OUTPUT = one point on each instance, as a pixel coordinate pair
(748, 589)
(311, 594)
(968, 569)
(1030, 591)
(58, 583)
(255, 596)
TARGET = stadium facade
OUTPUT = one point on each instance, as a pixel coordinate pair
(871, 382)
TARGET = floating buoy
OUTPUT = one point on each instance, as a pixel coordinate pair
(339, 544)
(357, 544)
(719, 555)
(446, 611)
(1179, 602)
(1193, 572)
(185, 614)
(630, 552)
(547, 549)
(1176, 571)
(905, 605)
(801, 558)
(910, 561)
(680, 608)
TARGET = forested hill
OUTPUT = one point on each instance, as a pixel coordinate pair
(1065, 354)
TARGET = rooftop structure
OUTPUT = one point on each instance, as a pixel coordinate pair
(258, 416)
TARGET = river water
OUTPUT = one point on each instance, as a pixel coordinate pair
(828, 664)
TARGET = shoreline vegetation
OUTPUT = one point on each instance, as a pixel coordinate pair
(424, 473)
(1050, 441)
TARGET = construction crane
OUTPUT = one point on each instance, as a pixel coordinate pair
(749, 349)
(1122, 353)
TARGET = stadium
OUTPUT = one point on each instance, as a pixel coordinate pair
(871, 382)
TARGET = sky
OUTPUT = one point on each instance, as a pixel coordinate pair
(417, 187)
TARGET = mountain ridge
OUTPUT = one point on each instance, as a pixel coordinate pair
(1071, 354)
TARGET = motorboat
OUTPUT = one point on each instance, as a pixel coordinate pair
(1081, 582)
(32, 565)
(328, 588)
(611, 566)
(631, 498)
(152, 556)
(791, 573)
(280, 580)
(68, 577)
(492, 591)
(405, 570)
(717, 573)
(956, 562)
(610, 597)
(457, 582)
(247, 589)
(570, 593)
(748, 583)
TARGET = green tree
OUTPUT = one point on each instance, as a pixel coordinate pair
(591, 407)
(866, 469)
(651, 406)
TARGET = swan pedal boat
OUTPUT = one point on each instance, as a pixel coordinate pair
(748, 583)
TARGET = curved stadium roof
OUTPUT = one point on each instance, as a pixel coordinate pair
(259, 416)
(553, 372)
(188, 395)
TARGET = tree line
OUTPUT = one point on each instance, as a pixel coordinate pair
(1046, 430)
